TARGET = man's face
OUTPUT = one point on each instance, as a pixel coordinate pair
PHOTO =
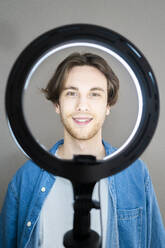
(83, 102)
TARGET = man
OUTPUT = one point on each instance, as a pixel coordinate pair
(83, 89)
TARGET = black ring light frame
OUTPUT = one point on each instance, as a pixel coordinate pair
(89, 170)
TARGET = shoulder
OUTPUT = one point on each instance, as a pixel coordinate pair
(30, 171)
(137, 170)
(26, 176)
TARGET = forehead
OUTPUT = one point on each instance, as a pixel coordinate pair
(85, 77)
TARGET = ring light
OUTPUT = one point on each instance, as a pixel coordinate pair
(121, 49)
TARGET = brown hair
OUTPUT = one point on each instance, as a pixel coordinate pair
(55, 85)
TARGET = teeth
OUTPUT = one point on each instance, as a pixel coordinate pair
(81, 120)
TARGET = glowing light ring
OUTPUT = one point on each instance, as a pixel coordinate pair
(120, 59)
(121, 49)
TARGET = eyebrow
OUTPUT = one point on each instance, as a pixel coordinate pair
(97, 88)
(75, 88)
(70, 88)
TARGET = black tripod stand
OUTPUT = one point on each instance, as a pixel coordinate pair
(81, 236)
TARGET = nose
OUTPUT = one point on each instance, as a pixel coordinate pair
(82, 104)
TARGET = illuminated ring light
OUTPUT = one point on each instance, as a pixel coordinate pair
(121, 49)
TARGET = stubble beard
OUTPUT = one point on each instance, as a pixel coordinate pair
(82, 133)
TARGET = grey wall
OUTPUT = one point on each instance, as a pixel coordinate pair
(142, 22)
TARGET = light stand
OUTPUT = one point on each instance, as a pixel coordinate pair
(81, 236)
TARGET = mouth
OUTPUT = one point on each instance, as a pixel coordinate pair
(82, 121)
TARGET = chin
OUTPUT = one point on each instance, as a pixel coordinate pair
(86, 136)
(85, 133)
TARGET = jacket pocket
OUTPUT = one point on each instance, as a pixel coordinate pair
(130, 227)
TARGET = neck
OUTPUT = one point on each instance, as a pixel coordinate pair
(74, 146)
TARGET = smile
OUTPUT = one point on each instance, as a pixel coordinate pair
(82, 121)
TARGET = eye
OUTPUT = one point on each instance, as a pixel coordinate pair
(94, 94)
(71, 93)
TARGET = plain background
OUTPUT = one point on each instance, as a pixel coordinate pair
(142, 22)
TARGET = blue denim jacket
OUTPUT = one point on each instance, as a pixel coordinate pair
(134, 219)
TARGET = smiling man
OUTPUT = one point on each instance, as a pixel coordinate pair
(82, 108)
(38, 206)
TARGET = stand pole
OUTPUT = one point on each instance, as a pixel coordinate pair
(81, 236)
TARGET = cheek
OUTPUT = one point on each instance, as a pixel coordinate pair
(67, 107)
(100, 105)
(99, 111)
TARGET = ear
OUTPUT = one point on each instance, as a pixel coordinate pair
(108, 110)
(57, 108)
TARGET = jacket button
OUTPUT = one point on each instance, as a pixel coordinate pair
(29, 224)
(43, 189)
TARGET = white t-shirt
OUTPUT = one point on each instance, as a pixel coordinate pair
(57, 213)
